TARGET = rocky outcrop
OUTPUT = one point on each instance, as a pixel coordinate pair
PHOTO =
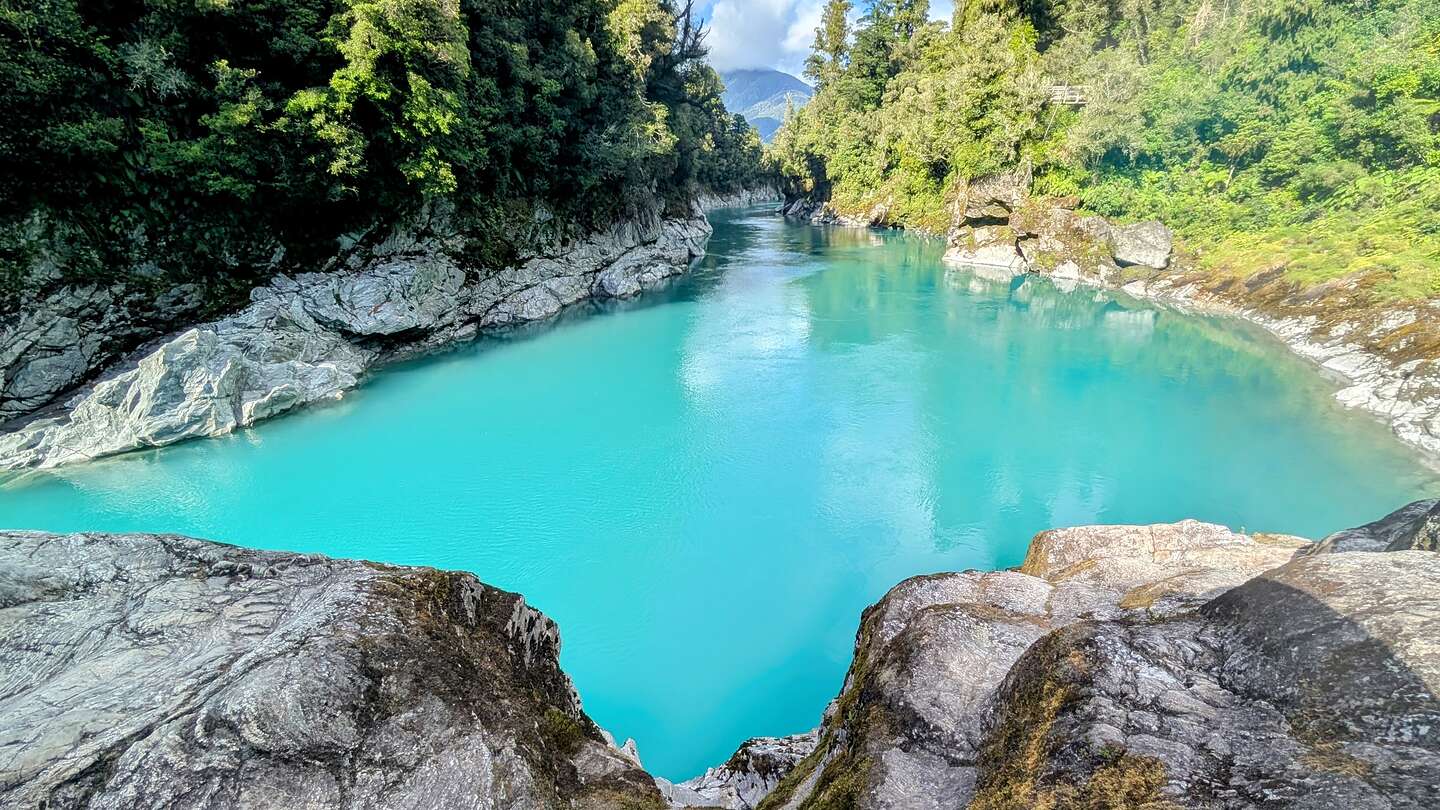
(819, 212)
(751, 774)
(1146, 666)
(758, 195)
(57, 335)
(149, 671)
(997, 226)
(1388, 351)
(1415, 527)
(314, 336)
(1179, 665)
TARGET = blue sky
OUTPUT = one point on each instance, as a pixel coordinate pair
(770, 33)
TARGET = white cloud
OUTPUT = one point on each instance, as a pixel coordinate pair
(762, 33)
(772, 33)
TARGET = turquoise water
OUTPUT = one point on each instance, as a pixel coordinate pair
(705, 488)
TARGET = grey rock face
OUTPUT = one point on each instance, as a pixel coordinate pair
(145, 671)
(1307, 687)
(1148, 244)
(995, 197)
(314, 336)
(1416, 526)
(750, 774)
(57, 337)
(737, 199)
(1145, 666)
(991, 247)
(996, 224)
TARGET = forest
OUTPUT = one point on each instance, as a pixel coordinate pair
(1294, 133)
(221, 141)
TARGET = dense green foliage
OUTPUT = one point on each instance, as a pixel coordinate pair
(1303, 132)
(221, 140)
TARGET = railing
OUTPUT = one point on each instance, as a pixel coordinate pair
(1068, 94)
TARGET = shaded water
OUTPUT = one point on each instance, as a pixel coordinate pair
(706, 488)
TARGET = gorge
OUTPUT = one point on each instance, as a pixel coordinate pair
(974, 424)
(744, 407)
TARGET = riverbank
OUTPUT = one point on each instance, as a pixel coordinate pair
(1140, 662)
(315, 336)
(1385, 351)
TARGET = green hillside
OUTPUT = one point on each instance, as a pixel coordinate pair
(1302, 133)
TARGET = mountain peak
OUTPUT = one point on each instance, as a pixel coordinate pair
(762, 95)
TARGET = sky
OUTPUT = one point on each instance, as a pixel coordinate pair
(770, 33)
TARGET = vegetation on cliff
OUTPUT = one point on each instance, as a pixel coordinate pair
(1296, 132)
(222, 141)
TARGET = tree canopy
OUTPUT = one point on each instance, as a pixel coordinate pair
(1309, 128)
(220, 140)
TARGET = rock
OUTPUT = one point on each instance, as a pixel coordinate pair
(1416, 526)
(987, 246)
(1182, 665)
(1147, 244)
(58, 337)
(750, 774)
(991, 199)
(1308, 686)
(150, 671)
(314, 337)
(739, 199)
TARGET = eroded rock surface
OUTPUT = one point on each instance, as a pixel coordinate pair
(146, 671)
(1414, 527)
(314, 336)
(1179, 665)
(57, 335)
(754, 770)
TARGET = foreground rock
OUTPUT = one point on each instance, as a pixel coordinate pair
(1161, 666)
(145, 671)
(1153, 666)
(314, 336)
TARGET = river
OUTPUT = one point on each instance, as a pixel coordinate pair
(706, 486)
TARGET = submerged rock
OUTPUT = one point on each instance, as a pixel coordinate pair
(314, 336)
(150, 671)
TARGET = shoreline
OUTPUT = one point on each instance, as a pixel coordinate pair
(1403, 396)
(313, 337)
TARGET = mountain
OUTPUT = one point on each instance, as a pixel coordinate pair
(762, 95)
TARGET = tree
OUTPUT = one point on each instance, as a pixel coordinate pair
(872, 59)
(827, 55)
(911, 16)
